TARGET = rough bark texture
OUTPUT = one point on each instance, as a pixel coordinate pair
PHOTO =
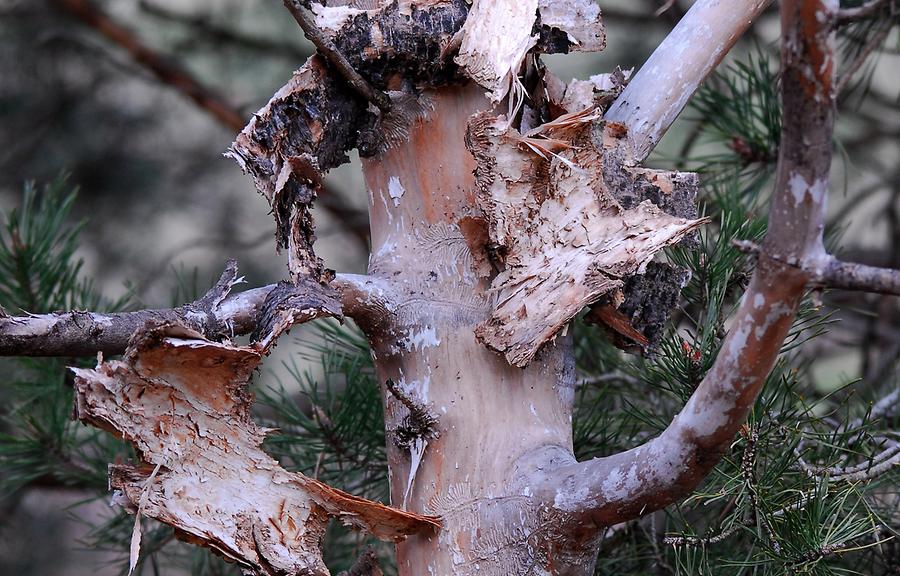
(86, 333)
(616, 488)
(562, 239)
(499, 34)
(215, 316)
(183, 402)
(305, 129)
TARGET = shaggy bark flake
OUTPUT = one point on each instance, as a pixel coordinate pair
(306, 128)
(565, 241)
(498, 35)
(183, 402)
(578, 20)
(496, 38)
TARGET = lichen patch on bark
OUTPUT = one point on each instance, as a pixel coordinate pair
(183, 402)
(564, 238)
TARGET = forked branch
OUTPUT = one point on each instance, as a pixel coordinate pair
(620, 487)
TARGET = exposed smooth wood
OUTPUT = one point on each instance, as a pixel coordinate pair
(660, 90)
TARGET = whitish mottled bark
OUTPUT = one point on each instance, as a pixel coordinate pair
(662, 87)
(490, 415)
(216, 315)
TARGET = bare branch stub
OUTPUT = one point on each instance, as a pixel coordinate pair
(184, 403)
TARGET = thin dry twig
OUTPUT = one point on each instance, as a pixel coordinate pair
(877, 40)
(829, 272)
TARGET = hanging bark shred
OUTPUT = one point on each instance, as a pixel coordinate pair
(551, 197)
(183, 402)
(305, 129)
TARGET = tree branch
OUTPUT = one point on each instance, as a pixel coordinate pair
(80, 333)
(220, 35)
(826, 271)
(852, 276)
(662, 87)
(167, 72)
(620, 487)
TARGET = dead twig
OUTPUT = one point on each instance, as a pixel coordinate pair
(867, 10)
(854, 66)
(165, 71)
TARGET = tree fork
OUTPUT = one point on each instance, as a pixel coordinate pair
(632, 483)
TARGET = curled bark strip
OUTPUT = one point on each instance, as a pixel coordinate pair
(183, 402)
(415, 39)
(306, 128)
(563, 238)
(570, 26)
(289, 304)
(496, 38)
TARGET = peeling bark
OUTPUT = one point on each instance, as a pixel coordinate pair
(623, 486)
(498, 35)
(183, 402)
(306, 128)
(550, 197)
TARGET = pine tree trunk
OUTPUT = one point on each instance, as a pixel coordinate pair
(498, 424)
